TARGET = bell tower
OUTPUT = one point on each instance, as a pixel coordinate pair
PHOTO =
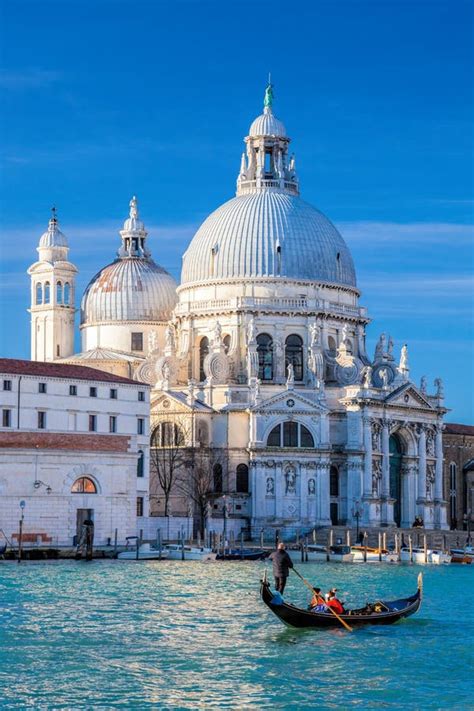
(52, 309)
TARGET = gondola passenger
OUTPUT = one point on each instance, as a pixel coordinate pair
(334, 603)
(317, 601)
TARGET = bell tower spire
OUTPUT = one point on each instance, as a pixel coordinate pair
(52, 310)
(265, 165)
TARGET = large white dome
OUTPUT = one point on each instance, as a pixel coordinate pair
(268, 234)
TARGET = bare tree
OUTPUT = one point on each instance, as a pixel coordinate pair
(203, 478)
(169, 454)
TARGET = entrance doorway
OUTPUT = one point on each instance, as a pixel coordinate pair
(81, 516)
(395, 477)
(334, 513)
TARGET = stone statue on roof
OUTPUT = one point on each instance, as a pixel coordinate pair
(268, 100)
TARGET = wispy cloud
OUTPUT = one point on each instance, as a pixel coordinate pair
(33, 78)
(423, 282)
(414, 233)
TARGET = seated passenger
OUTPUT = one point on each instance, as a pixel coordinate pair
(317, 598)
(335, 604)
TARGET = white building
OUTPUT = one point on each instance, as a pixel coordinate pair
(261, 351)
(73, 445)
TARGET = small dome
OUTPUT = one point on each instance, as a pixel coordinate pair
(132, 289)
(267, 124)
(53, 237)
(268, 234)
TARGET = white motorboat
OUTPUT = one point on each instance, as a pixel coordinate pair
(373, 555)
(463, 555)
(175, 551)
(417, 555)
(315, 552)
(145, 552)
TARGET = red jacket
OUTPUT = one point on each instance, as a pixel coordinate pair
(336, 605)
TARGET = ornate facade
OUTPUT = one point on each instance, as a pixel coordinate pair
(262, 349)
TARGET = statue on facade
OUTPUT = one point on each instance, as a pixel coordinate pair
(344, 333)
(423, 384)
(217, 334)
(439, 388)
(290, 374)
(367, 376)
(166, 370)
(251, 331)
(152, 342)
(268, 99)
(311, 487)
(270, 486)
(380, 348)
(383, 372)
(430, 443)
(133, 208)
(290, 480)
(169, 337)
(376, 477)
(390, 347)
(313, 335)
(404, 358)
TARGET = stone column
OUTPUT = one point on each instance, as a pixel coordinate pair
(385, 459)
(440, 504)
(324, 510)
(367, 458)
(279, 490)
(422, 466)
(303, 492)
(253, 471)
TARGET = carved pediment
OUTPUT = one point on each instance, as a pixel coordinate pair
(289, 401)
(408, 396)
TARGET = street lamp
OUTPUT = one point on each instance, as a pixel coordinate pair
(37, 483)
(357, 513)
(20, 535)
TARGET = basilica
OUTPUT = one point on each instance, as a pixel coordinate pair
(257, 356)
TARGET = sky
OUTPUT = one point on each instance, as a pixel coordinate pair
(104, 99)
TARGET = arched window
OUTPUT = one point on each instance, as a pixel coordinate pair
(67, 293)
(290, 434)
(217, 478)
(333, 481)
(47, 293)
(84, 485)
(265, 356)
(140, 464)
(167, 434)
(59, 293)
(39, 293)
(242, 479)
(203, 351)
(226, 343)
(294, 355)
(452, 491)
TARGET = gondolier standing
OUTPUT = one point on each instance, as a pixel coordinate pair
(281, 567)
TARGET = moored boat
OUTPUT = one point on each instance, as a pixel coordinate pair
(462, 555)
(419, 556)
(243, 554)
(373, 555)
(175, 551)
(145, 552)
(381, 612)
(314, 552)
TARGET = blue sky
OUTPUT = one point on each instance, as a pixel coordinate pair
(105, 99)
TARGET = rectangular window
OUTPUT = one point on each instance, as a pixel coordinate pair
(139, 505)
(113, 394)
(41, 387)
(7, 385)
(141, 396)
(73, 390)
(137, 341)
(7, 418)
(140, 426)
(92, 423)
(93, 392)
(112, 423)
(290, 434)
(41, 420)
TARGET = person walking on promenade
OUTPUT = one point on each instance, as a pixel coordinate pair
(281, 567)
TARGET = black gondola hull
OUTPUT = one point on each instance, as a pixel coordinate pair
(297, 617)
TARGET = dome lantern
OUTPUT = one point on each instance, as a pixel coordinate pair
(265, 165)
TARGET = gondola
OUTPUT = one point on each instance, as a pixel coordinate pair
(244, 554)
(381, 612)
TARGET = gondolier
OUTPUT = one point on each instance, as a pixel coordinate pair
(281, 567)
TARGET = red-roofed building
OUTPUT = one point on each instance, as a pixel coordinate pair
(73, 445)
(458, 449)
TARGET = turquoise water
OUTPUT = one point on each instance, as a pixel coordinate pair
(157, 635)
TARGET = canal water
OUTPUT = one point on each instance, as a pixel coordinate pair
(172, 635)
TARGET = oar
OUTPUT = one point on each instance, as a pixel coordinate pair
(343, 622)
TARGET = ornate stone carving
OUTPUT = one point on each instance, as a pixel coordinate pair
(217, 342)
(166, 369)
(383, 374)
(270, 486)
(311, 487)
(430, 480)
(290, 480)
(152, 341)
(169, 338)
(217, 368)
(376, 429)
(376, 477)
(348, 374)
(367, 376)
(430, 443)
(251, 331)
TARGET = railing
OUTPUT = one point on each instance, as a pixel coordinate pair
(251, 186)
(273, 303)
